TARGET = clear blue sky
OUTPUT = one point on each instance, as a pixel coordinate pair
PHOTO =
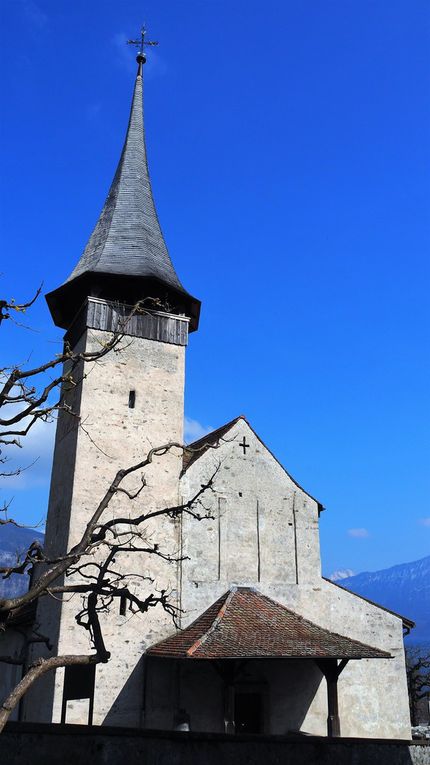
(289, 151)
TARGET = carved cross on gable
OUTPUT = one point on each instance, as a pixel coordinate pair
(244, 445)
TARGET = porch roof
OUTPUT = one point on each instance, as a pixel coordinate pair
(244, 624)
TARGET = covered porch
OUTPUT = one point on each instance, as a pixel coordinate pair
(249, 665)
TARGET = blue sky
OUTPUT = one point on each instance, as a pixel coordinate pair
(289, 153)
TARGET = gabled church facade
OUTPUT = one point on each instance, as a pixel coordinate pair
(264, 643)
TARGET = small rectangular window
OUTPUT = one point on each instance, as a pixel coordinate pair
(131, 399)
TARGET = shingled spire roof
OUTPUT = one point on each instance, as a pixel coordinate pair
(127, 241)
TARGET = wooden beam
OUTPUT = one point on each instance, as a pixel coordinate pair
(331, 671)
(227, 672)
(333, 721)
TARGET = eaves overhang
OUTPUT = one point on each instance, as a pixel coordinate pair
(65, 301)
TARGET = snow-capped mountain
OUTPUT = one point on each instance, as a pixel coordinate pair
(343, 573)
(404, 588)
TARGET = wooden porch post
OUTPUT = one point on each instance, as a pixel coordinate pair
(333, 722)
(331, 671)
(227, 670)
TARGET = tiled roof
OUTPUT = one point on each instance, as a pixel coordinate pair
(243, 623)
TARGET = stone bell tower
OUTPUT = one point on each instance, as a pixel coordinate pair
(130, 400)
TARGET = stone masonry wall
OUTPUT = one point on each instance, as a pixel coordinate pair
(277, 552)
(111, 436)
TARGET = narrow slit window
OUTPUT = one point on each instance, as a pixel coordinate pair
(122, 604)
(131, 399)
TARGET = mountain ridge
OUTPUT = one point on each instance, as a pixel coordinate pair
(403, 588)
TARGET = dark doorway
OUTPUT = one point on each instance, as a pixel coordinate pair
(248, 712)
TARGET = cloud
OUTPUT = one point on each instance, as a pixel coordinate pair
(34, 458)
(343, 573)
(193, 430)
(156, 65)
(125, 56)
(424, 521)
(358, 533)
(33, 14)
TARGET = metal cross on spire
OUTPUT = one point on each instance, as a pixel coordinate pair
(141, 45)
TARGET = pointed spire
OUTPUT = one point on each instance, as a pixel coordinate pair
(127, 241)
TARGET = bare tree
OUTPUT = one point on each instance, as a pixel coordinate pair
(418, 676)
(92, 567)
(28, 395)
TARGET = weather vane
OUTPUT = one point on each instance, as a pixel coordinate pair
(141, 43)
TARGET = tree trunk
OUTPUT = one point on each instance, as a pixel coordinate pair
(36, 670)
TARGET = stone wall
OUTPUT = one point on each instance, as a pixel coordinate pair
(277, 551)
(264, 527)
(113, 436)
(69, 744)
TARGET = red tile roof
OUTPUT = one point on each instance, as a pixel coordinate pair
(243, 623)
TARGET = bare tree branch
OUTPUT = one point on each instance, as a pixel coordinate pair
(99, 568)
(36, 670)
(6, 306)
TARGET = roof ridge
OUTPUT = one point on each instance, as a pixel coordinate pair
(196, 449)
(214, 432)
(229, 595)
(407, 622)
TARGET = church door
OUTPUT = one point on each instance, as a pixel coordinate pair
(248, 712)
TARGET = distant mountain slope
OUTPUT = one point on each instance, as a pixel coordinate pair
(14, 542)
(404, 588)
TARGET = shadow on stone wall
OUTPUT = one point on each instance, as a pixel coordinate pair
(165, 685)
(121, 712)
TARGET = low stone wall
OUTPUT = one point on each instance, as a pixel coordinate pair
(70, 744)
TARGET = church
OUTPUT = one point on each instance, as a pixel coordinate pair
(263, 643)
